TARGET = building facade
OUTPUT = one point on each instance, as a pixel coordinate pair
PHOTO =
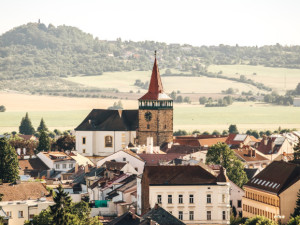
(190, 193)
(273, 192)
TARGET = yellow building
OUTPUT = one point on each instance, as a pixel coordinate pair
(21, 202)
(273, 192)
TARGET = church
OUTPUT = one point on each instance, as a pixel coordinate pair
(104, 132)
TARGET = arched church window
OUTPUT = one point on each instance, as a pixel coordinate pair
(108, 141)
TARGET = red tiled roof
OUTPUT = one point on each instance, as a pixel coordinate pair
(154, 159)
(189, 142)
(212, 141)
(244, 154)
(182, 149)
(267, 149)
(23, 191)
(155, 87)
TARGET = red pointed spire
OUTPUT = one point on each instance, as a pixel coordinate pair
(155, 86)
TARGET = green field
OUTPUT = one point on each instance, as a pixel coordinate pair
(124, 82)
(280, 79)
(188, 117)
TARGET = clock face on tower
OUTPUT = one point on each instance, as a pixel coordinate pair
(148, 116)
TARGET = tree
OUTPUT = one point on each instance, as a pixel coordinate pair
(221, 154)
(2, 108)
(44, 141)
(259, 220)
(215, 132)
(180, 133)
(297, 90)
(26, 126)
(9, 164)
(233, 129)
(294, 221)
(61, 209)
(42, 126)
(202, 100)
(297, 208)
(44, 218)
(66, 142)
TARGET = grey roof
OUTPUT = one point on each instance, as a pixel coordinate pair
(125, 219)
(162, 217)
(250, 172)
(110, 120)
(276, 177)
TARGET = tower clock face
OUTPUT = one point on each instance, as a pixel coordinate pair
(148, 116)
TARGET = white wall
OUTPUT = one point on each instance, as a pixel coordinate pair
(95, 141)
(236, 194)
(45, 160)
(119, 157)
(200, 205)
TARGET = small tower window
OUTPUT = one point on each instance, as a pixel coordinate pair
(165, 126)
(108, 141)
(148, 126)
(83, 140)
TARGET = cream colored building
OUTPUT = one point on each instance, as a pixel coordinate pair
(104, 132)
(190, 193)
(273, 192)
(22, 201)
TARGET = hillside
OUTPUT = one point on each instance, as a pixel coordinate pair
(37, 50)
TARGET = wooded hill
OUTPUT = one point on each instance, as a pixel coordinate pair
(37, 50)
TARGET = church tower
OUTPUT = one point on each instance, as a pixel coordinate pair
(155, 112)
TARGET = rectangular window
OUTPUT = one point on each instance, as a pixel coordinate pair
(159, 199)
(180, 199)
(230, 203)
(64, 166)
(169, 199)
(191, 199)
(70, 165)
(20, 214)
(83, 140)
(223, 198)
(31, 216)
(224, 215)
(148, 126)
(208, 215)
(180, 215)
(83, 150)
(191, 215)
(208, 198)
(8, 213)
(57, 166)
(124, 159)
(239, 203)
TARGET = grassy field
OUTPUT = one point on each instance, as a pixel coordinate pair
(124, 82)
(67, 113)
(280, 79)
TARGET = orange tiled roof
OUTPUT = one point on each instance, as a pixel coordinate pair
(212, 141)
(23, 191)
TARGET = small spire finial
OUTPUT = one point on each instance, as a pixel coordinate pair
(155, 53)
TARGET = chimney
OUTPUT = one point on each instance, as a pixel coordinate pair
(249, 152)
(76, 167)
(86, 168)
(19, 151)
(273, 145)
(150, 145)
(253, 153)
(265, 140)
(48, 173)
(24, 151)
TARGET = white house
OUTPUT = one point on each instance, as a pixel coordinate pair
(190, 193)
(236, 196)
(125, 156)
(104, 132)
(58, 161)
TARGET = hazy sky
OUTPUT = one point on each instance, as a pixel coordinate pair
(196, 22)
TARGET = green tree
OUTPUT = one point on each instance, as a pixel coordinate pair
(42, 126)
(44, 141)
(44, 218)
(2, 108)
(215, 132)
(61, 209)
(202, 100)
(221, 154)
(66, 142)
(180, 133)
(294, 221)
(9, 165)
(297, 208)
(259, 220)
(233, 129)
(26, 126)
